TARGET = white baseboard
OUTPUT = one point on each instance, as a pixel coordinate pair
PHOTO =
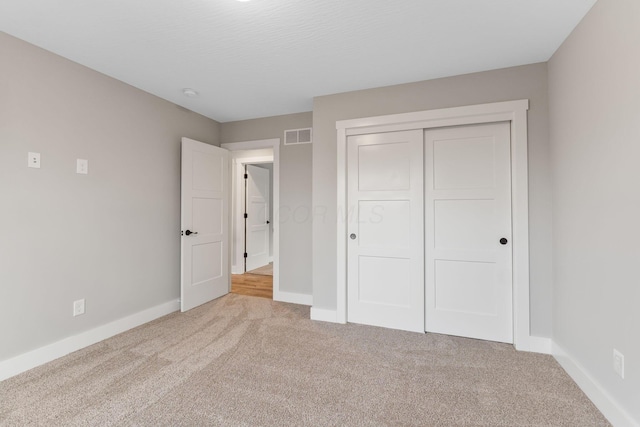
(324, 315)
(540, 345)
(42, 355)
(609, 407)
(292, 297)
(237, 269)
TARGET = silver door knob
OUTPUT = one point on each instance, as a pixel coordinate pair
(353, 236)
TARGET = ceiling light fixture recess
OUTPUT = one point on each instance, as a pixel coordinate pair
(190, 93)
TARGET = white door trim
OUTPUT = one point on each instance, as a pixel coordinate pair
(273, 143)
(514, 112)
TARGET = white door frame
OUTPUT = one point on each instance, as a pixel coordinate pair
(237, 216)
(514, 112)
(274, 144)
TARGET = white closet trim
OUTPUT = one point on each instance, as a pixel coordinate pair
(514, 112)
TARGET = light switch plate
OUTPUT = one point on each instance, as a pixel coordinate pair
(618, 363)
(33, 160)
(82, 166)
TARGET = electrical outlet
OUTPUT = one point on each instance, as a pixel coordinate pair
(33, 160)
(82, 166)
(78, 307)
(618, 363)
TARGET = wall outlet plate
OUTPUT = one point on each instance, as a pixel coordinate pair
(78, 307)
(82, 166)
(33, 160)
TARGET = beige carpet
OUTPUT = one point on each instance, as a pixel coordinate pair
(246, 361)
(265, 270)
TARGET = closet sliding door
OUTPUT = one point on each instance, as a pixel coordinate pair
(468, 269)
(385, 247)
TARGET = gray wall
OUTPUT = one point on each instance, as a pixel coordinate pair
(528, 82)
(295, 193)
(111, 237)
(594, 86)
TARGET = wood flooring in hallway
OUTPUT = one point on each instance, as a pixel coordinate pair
(252, 285)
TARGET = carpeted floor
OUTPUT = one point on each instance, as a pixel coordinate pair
(247, 361)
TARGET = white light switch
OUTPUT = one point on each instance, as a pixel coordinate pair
(34, 160)
(82, 166)
(618, 363)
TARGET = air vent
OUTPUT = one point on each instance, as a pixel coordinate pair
(297, 136)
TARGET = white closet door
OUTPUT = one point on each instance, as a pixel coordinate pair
(385, 251)
(468, 271)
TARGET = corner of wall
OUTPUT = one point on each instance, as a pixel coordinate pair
(50, 352)
(604, 401)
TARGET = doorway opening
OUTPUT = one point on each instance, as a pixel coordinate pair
(255, 197)
(258, 212)
(256, 266)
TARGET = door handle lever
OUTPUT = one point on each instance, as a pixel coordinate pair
(189, 232)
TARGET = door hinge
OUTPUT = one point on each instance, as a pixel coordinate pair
(245, 254)
(246, 216)
(246, 176)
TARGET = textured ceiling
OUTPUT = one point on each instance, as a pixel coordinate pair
(269, 57)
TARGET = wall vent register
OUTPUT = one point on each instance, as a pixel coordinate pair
(297, 136)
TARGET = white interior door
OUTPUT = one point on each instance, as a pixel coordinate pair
(257, 221)
(385, 277)
(205, 223)
(468, 232)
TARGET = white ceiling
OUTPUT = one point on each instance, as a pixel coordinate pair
(269, 57)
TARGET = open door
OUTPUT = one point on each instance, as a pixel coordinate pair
(257, 218)
(205, 224)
